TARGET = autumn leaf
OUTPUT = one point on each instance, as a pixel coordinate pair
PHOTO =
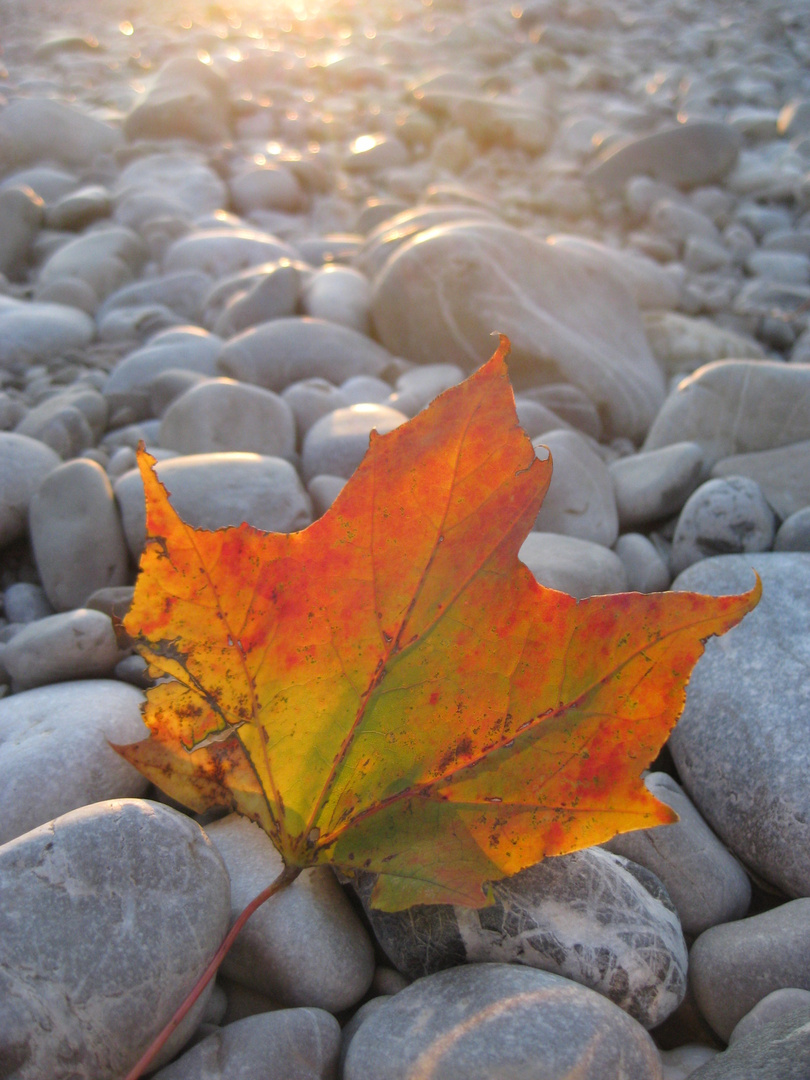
(390, 689)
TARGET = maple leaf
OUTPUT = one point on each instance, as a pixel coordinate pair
(390, 689)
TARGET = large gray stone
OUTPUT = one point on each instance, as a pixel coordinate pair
(76, 534)
(104, 258)
(55, 752)
(24, 464)
(735, 965)
(110, 914)
(284, 351)
(565, 319)
(591, 916)
(223, 251)
(210, 491)
(222, 415)
(500, 1020)
(291, 1044)
(304, 946)
(740, 745)
(735, 407)
(688, 155)
(706, 884)
(189, 348)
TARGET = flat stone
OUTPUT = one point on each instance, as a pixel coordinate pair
(76, 534)
(55, 752)
(32, 332)
(40, 129)
(211, 491)
(778, 1050)
(579, 567)
(303, 947)
(687, 156)
(337, 443)
(735, 965)
(591, 916)
(272, 293)
(79, 208)
(736, 746)
(221, 414)
(23, 602)
(47, 181)
(682, 344)
(77, 644)
(706, 884)
(291, 1044)
(655, 485)
(723, 517)
(187, 348)
(736, 407)
(24, 464)
(488, 1020)
(223, 251)
(566, 321)
(783, 475)
(278, 353)
(101, 935)
(580, 500)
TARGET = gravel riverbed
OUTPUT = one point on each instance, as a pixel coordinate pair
(247, 236)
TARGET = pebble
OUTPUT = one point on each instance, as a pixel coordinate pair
(783, 475)
(337, 443)
(734, 966)
(39, 332)
(535, 297)
(24, 464)
(303, 947)
(210, 491)
(654, 485)
(723, 517)
(570, 564)
(580, 500)
(96, 875)
(488, 1020)
(78, 644)
(221, 415)
(736, 406)
(76, 534)
(646, 570)
(772, 1007)
(682, 344)
(778, 1050)
(69, 421)
(591, 916)
(290, 1044)
(55, 751)
(706, 884)
(278, 353)
(794, 532)
(21, 214)
(736, 739)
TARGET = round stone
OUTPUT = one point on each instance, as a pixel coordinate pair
(487, 1020)
(579, 567)
(337, 443)
(24, 464)
(723, 517)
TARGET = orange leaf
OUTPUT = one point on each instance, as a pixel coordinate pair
(391, 689)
